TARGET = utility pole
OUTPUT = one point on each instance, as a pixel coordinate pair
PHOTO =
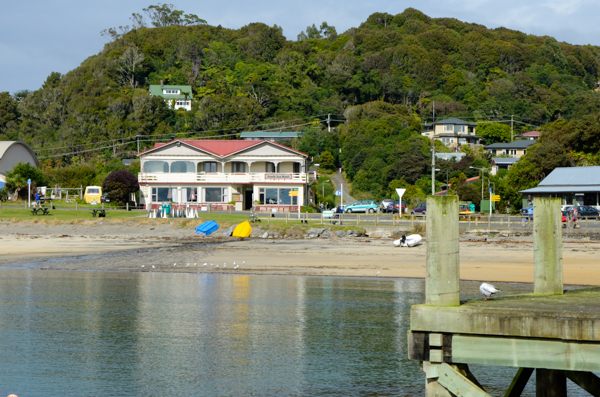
(329, 123)
(137, 137)
(511, 127)
(432, 152)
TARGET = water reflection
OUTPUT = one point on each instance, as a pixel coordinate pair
(90, 333)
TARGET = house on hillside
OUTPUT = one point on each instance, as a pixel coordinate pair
(531, 135)
(502, 163)
(574, 185)
(453, 132)
(177, 96)
(515, 149)
(12, 153)
(268, 135)
(196, 173)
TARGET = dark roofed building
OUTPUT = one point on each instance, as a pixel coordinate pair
(514, 149)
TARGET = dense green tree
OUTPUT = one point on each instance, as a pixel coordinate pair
(119, 185)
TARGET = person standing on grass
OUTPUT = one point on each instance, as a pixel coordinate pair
(38, 201)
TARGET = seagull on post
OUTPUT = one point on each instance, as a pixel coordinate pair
(487, 290)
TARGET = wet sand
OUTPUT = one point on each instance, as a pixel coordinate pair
(128, 247)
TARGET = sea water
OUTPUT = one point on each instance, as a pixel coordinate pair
(72, 333)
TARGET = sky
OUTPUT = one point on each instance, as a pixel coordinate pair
(38, 37)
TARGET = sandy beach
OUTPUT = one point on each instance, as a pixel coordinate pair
(127, 246)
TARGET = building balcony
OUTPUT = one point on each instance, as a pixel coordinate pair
(219, 177)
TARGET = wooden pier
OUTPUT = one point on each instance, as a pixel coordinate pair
(553, 332)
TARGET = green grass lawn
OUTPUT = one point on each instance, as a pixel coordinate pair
(60, 214)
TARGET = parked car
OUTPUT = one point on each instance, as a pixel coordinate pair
(397, 208)
(527, 211)
(104, 198)
(369, 206)
(420, 209)
(387, 205)
(586, 211)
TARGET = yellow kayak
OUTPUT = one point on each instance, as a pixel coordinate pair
(242, 230)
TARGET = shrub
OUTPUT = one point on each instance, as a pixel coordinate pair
(118, 185)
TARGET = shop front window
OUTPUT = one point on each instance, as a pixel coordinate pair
(215, 194)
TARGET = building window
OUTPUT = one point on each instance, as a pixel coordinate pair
(182, 103)
(156, 166)
(238, 167)
(171, 92)
(296, 168)
(277, 196)
(178, 167)
(513, 152)
(269, 167)
(210, 166)
(215, 194)
(460, 128)
(161, 194)
(448, 127)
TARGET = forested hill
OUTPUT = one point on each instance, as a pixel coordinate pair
(378, 80)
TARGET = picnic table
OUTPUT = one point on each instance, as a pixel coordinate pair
(40, 211)
(100, 213)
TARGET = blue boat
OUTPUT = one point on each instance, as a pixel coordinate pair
(207, 228)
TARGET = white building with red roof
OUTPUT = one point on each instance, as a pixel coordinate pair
(215, 173)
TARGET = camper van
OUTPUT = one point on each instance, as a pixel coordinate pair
(92, 194)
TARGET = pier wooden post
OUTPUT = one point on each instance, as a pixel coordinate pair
(442, 283)
(547, 246)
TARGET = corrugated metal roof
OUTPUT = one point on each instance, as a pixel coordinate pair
(520, 144)
(573, 176)
(221, 147)
(501, 160)
(562, 189)
(157, 90)
(269, 134)
(455, 121)
(448, 156)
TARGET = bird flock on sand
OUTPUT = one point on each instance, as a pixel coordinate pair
(205, 264)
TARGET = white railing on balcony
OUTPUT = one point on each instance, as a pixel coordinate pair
(219, 177)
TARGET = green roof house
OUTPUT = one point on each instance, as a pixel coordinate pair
(178, 96)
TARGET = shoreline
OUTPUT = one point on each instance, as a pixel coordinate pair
(127, 246)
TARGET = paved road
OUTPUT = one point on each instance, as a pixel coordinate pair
(338, 179)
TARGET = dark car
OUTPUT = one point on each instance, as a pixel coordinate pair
(420, 209)
(397, 208)
(387, 205)
(586, 211)
(104, 198)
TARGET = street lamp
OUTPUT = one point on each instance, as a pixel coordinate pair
(481, 169)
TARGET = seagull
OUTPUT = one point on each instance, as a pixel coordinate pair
(377, 272)
(217, 265)
(224, 265)
(194, 264)
(174, 264)
(204, 264)
(153, 267)
(211, 264)
(243, 263)
(487, 290)
(188, 265)
(234, 263)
